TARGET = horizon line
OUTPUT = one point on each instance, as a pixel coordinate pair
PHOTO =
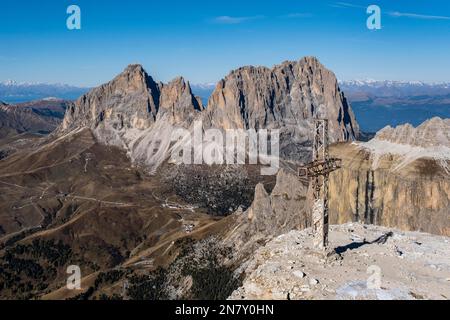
(10, 82)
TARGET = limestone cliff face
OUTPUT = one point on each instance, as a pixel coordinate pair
(400, 179)
(286, 97)
(413, 198)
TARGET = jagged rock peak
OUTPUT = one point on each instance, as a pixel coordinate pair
(178, 102)
(132, 100)
(134, 67)
(289, 94)
(180, 86)
(133, 78)
(136, 74)
(134, 70)
(270, 215)
(433, 132)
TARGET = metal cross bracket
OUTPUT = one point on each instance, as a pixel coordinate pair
(318, 172)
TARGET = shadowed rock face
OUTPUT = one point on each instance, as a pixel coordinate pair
(270, 215)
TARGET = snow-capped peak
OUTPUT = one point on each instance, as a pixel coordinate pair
(14, 83)
(391, 83)
(9, 82)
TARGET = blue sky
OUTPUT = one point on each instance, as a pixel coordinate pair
(204, 40)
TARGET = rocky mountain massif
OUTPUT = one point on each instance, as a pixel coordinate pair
(138, 114)
(135, 113)
(287, 97)
(83, 196)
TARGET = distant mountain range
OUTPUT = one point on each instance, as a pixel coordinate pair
(363, 90)
(203, 90)
(15, 92)
(358, 90)
(381, 103)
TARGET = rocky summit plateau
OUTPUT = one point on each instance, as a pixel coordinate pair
(288, 268)
(101, 192)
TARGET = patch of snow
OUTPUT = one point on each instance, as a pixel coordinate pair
(358, 290)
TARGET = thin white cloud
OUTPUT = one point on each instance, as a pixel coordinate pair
(235, 20)
(295, 15)
(417, 16)
(347, 5)
(397, 14)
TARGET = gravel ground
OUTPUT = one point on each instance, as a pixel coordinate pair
(371, 262)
